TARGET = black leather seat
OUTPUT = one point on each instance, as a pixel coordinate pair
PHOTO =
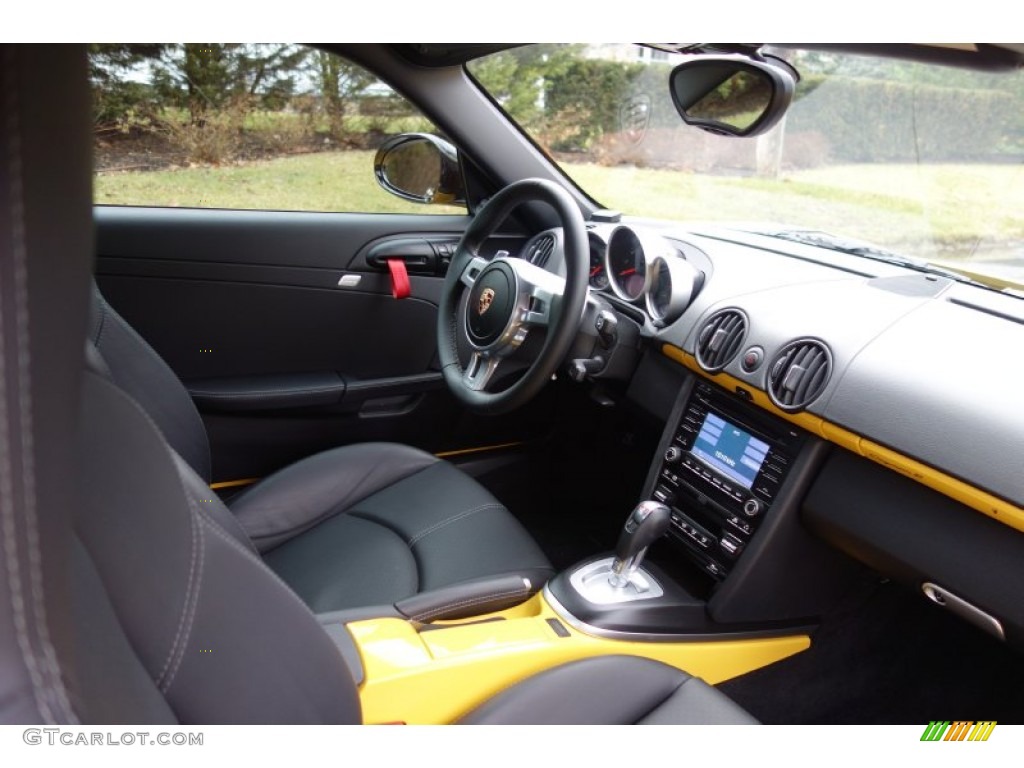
(164, 572)
(131, 595)
(362, 525)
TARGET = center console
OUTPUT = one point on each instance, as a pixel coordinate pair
(721, 474)
(713, 573)
(736, 560)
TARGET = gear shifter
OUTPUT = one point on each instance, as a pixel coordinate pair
(646, 524)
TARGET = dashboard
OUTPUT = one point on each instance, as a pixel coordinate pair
(790, 355)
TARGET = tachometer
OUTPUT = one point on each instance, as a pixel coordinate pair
(627, 267)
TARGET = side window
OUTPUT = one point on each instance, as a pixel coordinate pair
(255, 126)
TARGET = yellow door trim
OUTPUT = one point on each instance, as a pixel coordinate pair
(233, 483)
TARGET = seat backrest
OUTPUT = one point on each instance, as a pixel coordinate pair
(138, 370)
(45, 216)
(127, 591)
(215, 636)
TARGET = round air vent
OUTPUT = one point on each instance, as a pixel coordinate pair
(540, 251)
(798, 374)
(720, 339)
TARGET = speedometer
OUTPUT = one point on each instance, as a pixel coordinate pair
(627, 266)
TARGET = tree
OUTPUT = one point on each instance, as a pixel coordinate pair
(119, 95)
(517, 78)
(208, 76)
(339, 82)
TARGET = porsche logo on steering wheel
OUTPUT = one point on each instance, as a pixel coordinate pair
(486, 299)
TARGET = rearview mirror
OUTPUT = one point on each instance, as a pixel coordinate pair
(733, 95)
(420, 167)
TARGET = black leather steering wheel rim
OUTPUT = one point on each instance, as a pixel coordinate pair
(565, 312)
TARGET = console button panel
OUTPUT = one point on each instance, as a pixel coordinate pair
(720, 475)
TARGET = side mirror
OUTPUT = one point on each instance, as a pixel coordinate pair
(420, 167)
(733, 95)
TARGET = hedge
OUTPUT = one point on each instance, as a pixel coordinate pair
(863, 120)
(869, 120)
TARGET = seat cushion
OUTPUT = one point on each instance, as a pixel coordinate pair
(375, 523)
(610, 690)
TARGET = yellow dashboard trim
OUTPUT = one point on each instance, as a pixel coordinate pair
(975, 498)
(437, 676)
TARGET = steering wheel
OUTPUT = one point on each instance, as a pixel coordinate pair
(507, 298)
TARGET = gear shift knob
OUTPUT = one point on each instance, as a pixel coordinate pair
(647, 523)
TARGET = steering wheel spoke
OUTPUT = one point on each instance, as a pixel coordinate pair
(472, 271)
(542, 291)
(480, 370)
(488, 307)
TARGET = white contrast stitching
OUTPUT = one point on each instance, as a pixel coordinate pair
(195, 521)
(194, 530)
(117, 391)
(437, 526)
(231, 541)
(42, 687)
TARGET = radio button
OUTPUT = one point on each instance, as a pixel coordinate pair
(664, 495)
(739, 524)
(731, 546)
(714, 569)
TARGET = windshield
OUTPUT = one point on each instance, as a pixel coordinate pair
(921, 160)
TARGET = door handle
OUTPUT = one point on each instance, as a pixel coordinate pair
(421, 256)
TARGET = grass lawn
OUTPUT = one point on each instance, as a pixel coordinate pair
(325, 181)
(929, 210)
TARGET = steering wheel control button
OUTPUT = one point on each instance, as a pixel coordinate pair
(751, 507)
(490, 306)
(606, 324)
(752, 359)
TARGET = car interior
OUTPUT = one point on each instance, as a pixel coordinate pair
(527, 461)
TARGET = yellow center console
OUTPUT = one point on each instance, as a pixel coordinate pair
(436, 673)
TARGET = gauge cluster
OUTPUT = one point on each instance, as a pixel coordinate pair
(643, 269)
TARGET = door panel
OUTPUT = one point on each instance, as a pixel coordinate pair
(246, 307)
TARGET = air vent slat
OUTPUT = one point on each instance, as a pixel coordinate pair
(720, 339)
(799, 373)
(541, 251)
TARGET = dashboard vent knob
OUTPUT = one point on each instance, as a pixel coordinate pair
(720, 339)
(798, 374)
(541, 251)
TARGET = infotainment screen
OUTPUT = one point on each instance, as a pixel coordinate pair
(729, 450)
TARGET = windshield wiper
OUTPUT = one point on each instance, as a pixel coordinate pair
(873, 252)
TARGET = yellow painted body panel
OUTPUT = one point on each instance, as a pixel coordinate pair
(437, 676)
(975, 498)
